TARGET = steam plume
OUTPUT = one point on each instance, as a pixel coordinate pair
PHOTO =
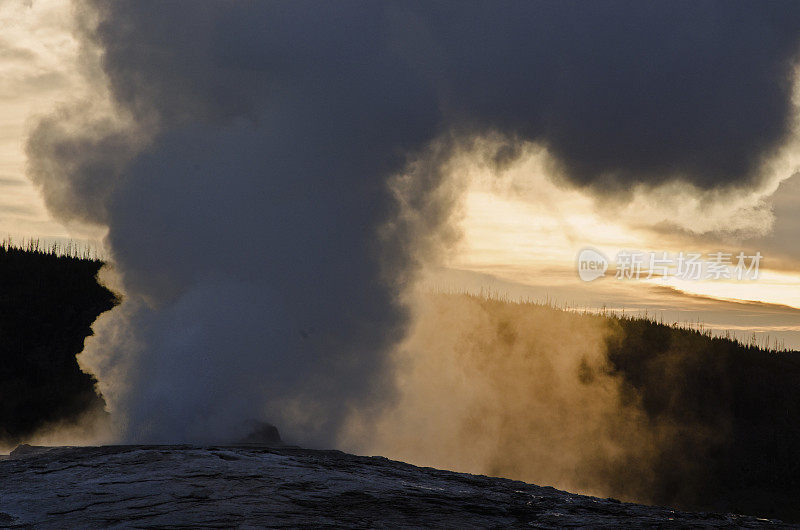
(242, 169)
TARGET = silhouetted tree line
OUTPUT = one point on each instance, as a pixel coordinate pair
(48, 301)
(728, 414)
(716, 424)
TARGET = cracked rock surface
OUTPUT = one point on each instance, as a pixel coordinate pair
(250, 487)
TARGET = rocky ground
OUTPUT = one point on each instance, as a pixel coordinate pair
(255, 486)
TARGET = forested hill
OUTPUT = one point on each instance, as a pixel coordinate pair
(49, 299)
(695, 421)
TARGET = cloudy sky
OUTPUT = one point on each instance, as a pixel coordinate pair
(38, 69)
(645, 131)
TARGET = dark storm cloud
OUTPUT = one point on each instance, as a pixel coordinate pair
(248, 210)
(628, 91)
(617, 90)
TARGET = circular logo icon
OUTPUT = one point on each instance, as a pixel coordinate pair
(592, 264)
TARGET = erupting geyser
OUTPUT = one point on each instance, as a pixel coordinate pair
(272, 174)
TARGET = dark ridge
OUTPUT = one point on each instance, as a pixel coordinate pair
(736, 409)
(49, 298)
(732, 412)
